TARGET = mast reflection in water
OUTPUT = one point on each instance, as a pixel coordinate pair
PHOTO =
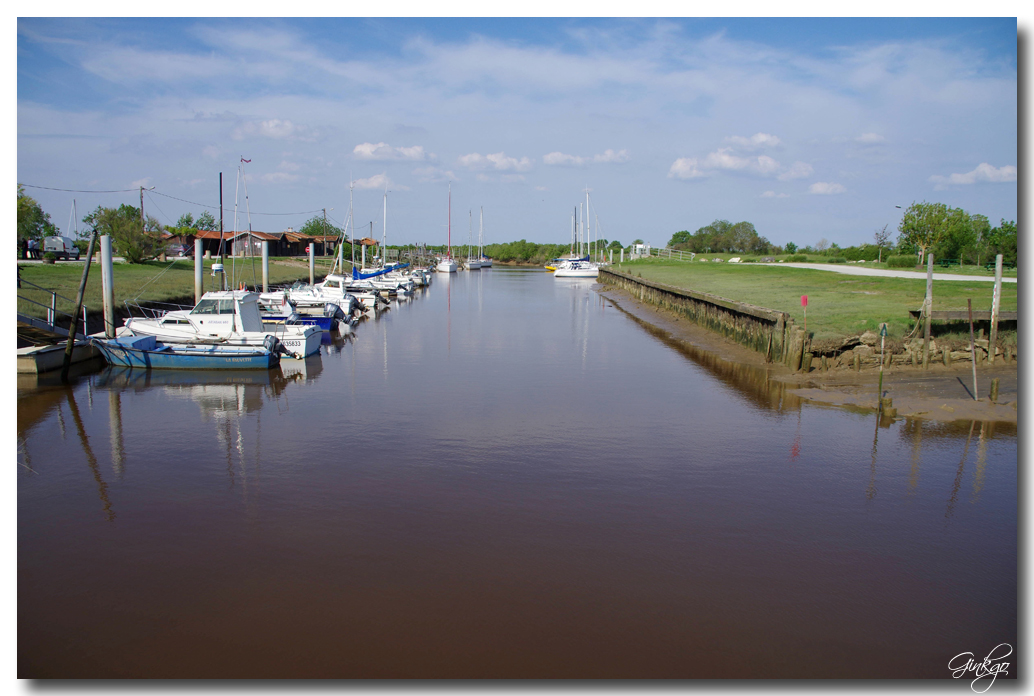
(505, 476)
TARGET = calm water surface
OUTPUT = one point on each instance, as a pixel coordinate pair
(506, 476)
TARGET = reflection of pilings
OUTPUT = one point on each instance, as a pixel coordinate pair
(916, 426)
(958, 474)
(118, 451)
(90, 459)
(751, 381)
(978, 476)
(870, 492)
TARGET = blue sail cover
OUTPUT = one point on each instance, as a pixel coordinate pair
(356, 275)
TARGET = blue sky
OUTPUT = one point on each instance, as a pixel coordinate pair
(808, 128)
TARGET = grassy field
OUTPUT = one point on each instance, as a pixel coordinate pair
(147, 282)
(838, 305)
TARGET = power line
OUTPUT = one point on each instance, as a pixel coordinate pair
(158, 193)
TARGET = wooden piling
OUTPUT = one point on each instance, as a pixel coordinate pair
(994, 389)
(928, 305)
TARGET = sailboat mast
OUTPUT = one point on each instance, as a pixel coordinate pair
(351, 217)
(384, 231)
(588, 230)
(481, 234)
(450, 222)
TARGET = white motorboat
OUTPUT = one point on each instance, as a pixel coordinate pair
(228, 317)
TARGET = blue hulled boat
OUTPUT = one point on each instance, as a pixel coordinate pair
(147, 352)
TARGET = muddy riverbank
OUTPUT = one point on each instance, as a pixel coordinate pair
(941, 393)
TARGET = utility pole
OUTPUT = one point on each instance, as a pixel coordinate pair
(324, 231)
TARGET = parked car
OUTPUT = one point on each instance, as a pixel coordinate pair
(180, 250)
(62, 247)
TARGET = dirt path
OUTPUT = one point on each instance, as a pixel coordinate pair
(863, 271)
(939, 393)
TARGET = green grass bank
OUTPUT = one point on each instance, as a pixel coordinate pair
(839, 305)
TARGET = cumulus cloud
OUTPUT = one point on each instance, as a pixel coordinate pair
(826, 188)
(385, 152)
(606, 157)
(984, 172)
(870, 138)
(497, 161)
(754, 142)
(686, 168)
(377, 181)
(773, 194)
(433, 174)
(275, 129)
(797, 170)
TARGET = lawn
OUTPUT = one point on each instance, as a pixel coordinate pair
(838, 305)
(148, 282)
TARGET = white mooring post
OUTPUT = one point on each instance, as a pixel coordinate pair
(312, 263)
(108, 287)
(265, 266)
(199, 270)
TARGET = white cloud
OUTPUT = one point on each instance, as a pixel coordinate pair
(984, 172)
(385, 152)
(797, 170)
(560, 159)
(773, 194)
(754, 142)
(433, 174)
(686, 168)
(870, 138)
(498, 161)
(145, 182)
(377, 181)
(609, 156)
(279, 178)
(275, 129)
(606, 157)
(541, 188)
(826, 188)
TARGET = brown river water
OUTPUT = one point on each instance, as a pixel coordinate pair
(506, 476)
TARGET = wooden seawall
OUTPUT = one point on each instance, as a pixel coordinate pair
(767, 331)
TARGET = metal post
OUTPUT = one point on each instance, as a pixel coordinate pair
(265, 266)
(52, 310)
(312, 263)
(199, 270)
(85, 330)
(995, 302)
(928, 306)
(108, 287)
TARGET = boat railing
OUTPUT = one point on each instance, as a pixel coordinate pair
(153, 310)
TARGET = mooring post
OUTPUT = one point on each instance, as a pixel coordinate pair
(265, 266)
(199, 270)
(994, 389)
(108, 287)
(973, 348)
(995, 302)
(928, 309)
(70, 346)
(312, 263)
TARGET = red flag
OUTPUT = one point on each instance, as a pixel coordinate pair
(244, 160)
(804, 300)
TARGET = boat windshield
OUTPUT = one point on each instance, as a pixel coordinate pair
(213, 307)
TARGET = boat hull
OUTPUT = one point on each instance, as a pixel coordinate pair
(126, 352)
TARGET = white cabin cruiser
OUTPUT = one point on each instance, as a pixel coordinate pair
(229, 317)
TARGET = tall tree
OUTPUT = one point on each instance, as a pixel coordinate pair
(205, 221)
(33, 223)
(186, 221)
(882, 236)
(922, 226)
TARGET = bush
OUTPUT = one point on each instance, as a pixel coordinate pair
(798, 258)
(903, 261)
(50, 256)
(837, 259)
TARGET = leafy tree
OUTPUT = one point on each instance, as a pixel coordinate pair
(186, 221)
(821, 245)
(33, 223)
(205, 221)
(791, 248)
(615, 245)
(135, 241)
(682, 237)
(923, 225)
(1002, 240)
(316, 226)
